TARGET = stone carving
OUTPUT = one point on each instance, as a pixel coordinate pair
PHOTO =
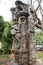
(24, 33)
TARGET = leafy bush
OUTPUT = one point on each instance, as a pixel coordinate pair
(1, 51)
(5, 35)
(7, 38)
(39, 37)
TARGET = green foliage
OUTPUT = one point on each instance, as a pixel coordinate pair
(39, 55)
(4, 56)
(39, 37)
(1, 26)
(7, 38)
(5, 35)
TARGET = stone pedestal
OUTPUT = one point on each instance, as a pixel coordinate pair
(16, 52)
(23, 56)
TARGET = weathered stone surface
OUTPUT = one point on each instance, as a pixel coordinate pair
(24, 33)
(12, 62)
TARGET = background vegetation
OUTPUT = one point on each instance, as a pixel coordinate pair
(5, 35)
(39, 37)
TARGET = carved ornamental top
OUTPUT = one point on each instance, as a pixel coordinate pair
(20, 10)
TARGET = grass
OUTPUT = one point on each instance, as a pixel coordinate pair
(39, 55)
(4, 56)
(4, 59)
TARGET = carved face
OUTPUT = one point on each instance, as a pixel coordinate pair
(12, 10)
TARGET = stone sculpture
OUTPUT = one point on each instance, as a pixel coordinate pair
(23, 33)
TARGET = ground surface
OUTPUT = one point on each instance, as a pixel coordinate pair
(6, 60)
(39, 54)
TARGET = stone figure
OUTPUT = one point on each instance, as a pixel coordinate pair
(23, 33)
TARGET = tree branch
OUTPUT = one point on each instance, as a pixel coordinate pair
(41, 10)
(38, 5)
(38, 26)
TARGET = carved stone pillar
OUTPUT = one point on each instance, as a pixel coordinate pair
(31, 34)
(15, 34)
(24, 34)
(23, 51)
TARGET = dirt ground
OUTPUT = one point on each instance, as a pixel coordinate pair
(5, 61)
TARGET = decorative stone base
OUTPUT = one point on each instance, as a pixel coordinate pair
(16, 52)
